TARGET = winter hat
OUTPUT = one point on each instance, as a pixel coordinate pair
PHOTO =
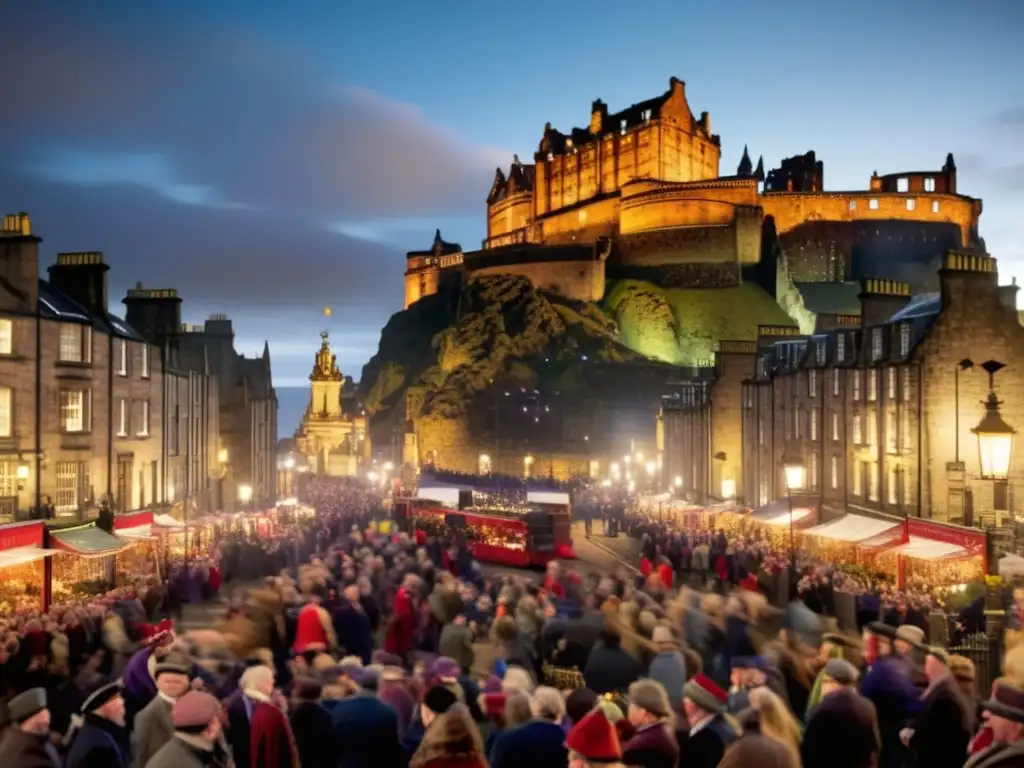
(194, 711)
(841, 671)
(706, 694)
(439, 699)
(595, 739)
(1006, 702)
(494, 704)
(444, 669)
(908, 633)
(386, 659)
(662, 635)
(579, 703)
(101, 696)
(882, 630)
(492, 685)
(26, 704)
(174, 663)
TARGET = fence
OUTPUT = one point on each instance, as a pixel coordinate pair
(987, 657)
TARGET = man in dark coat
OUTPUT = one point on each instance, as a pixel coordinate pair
(943, 729)
(311, 725)
(653, 744)
(705, 704)
(538, 743)
(352, 626)
(26, 744)
(842, 731)
(890, 688)
(102, 740)
(609, 668)
(366, 732)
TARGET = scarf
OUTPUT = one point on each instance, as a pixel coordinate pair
(816, 696)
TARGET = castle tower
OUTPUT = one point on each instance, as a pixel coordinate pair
(326, 382)
(746, 168)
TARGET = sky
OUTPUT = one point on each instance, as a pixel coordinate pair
(272, 159)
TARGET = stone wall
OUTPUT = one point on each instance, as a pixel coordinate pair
(580, 280)
(735, 362)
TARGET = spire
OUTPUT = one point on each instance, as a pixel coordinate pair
(746, 167)
(950, 165)
(759, 171)
(266, 350)
(325, 365)
(437, 237)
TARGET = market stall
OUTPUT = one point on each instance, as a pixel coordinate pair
(84, 562)
(22, 566)
(140, 555)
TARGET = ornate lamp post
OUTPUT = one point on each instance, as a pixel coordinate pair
(795, 472)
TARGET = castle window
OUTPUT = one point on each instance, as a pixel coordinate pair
(841, 347)
(890, 382)
(646, 115)
(876, 343)
(814, 424)
(904, 339)
(812, 471)
(873, 203)
(622, 127)
(812, 383)
(903, 185)
(894, 480)
(872, 385)
(929, 184)
(819, 353)
(856, 385)
(858, 436)
(835, 382)
(551, 156)
(911, 204)
(835, 427)
(835, 473)
(935, 206)
(853, 205)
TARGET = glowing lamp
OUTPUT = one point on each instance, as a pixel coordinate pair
(484, 462)
(388, 466)
(651, 468)
(22, 472)
(995, 441)
(678, 482)
(289, 463)
(795, 471)
(222, 455)
(728, 488)
(245, 493)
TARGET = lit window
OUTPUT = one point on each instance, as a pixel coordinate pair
(873, 481)
(903, 185)
(929, 184)
(935, 206)
(841, 347)
(141, 418)
(814, 424)
(858, 476)
(122, 357)
(906, 385)
(122, 417)
(835, 427)
(74, 410)
(812, 383)
(853, 205)
(6, 336)
(891, 430)
(622, 127)
(873, 203)
(6, 412)
(145, 360)
(876, 343)
(8, 478)
(812, 471)
(904, 339)
(911, 204)
(894, 483)
(856, 384)
(819, 353)
(835, 382)
(835, 473)
(75, 343)
(858, 436)
(646, 115)
(890, 383)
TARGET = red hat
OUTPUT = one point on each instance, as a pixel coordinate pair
(595, 739)
(706, 694)
(750, 583)
(494, 704)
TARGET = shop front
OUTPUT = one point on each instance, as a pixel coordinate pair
(84, 562)
(22, 571)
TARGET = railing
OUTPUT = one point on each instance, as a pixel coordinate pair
(987, 658)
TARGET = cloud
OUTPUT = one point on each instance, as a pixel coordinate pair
(1012, 117)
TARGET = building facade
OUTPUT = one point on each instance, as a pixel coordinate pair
(232, 446)
(81, 391)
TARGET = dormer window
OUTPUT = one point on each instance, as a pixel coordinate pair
(551, 156)
(904, 339)
(622, 127)
(819, 353)
(646, 115)
(929, 184)
(841, 347)
(876, 343)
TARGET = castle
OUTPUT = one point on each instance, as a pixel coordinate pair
(639, 193)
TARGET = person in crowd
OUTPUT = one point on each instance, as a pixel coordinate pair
(943, 728)
(594, 743)
(197, 726)
(842, 731)
(668, 666)
(1006, 718)
(889, 686)
(271, 742)
(753, 749)
(452, 740)
(705, 705)
(153, 726)
(102, 739)
(653, 744)
(541, 741)
(456, 642)
(609, 667)
(776, 722)
(314, 628)
(311, 725)
(26, 744)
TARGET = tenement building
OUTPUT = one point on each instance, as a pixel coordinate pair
(880, 409)
(81, 391)
(242, 459)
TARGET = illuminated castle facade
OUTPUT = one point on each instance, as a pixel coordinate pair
(640, 193)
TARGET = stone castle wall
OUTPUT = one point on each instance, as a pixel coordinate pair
(580, 280)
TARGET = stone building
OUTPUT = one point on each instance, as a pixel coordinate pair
(332, 442)
(880, 413)
(242, 460)
(81, 391)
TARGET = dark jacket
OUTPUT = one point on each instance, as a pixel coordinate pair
(652, 747)
(311, 726)
(896, 699)
(537, 744)
(610, 669)
(27, 750)
(705, 748)
(99, 743)
(239, 729)
(353, 628)
(365, 731)
(842, 732)
(943, 728)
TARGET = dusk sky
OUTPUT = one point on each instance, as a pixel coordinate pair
(269, 159)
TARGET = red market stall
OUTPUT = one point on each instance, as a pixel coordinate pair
(140, 556)
(22, 559)
(84, 562)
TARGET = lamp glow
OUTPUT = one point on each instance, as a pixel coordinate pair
(728, 488)
(245, 493)
(484, 462)
(222, 455)
(22, 471)
(795, 471)
(678, 482)
(995, 441)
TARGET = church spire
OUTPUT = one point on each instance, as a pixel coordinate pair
(325, 365)
(759, 171)
(746, 167)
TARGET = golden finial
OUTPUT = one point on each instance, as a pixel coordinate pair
(328, 311)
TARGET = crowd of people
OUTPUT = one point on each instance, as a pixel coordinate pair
(364, 649)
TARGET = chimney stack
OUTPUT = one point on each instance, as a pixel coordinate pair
(19, 263)
(153, 312)
(880, 299)
(82, 277)
(968, 277)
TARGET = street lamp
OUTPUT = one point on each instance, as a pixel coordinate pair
(245, 494)
(484, 464)
(222, 455)
(995, 436)
(22, 475)
(527, 464)
(795, 472)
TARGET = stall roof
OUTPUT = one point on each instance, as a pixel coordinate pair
(136, 532)
(852, 528)
(777, 512)
(164, 520)
(928, 549)
(22, 555)
(88, 541)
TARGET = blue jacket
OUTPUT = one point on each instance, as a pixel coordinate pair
(99, 744)
(366, 730)
(537, 744)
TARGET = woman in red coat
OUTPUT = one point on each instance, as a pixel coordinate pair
(403, 624)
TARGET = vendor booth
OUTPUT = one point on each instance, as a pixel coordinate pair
(140, 553)
(21, 566)
(84, 562)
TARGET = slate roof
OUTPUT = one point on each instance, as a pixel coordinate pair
(831, 298)
(56, 305)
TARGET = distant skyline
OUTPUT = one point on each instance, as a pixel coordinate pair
(271, 160)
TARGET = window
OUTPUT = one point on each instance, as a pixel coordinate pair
(74, 410)
(894, 484)
(760, 433)
(929, 184)
(72, 486)
(876, 343)
(891, 430)
(906, 385)
(935, 206)
(835, 427)
(905, 431)
(6, 413)
(812, 471)
(873, 203)
(122, 417)
(858, 478)
(903, 185)
(812, 383)
(144, 368)
(841, 347)
(646, 115)
(890, 375)
(75, 343)
(8, 479)
(6, 336)
(858, 432)
(911, 204)
(819, 353)
(141, 417)
(796, 423)
(121, 359)
(872, 430)
(835, 382)
(872, 385)
(856, 385)
(814, 424)
(904, 339)
(835, 472)
(622, 127)
(873, 481)
(853, 205)
(124, 482)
